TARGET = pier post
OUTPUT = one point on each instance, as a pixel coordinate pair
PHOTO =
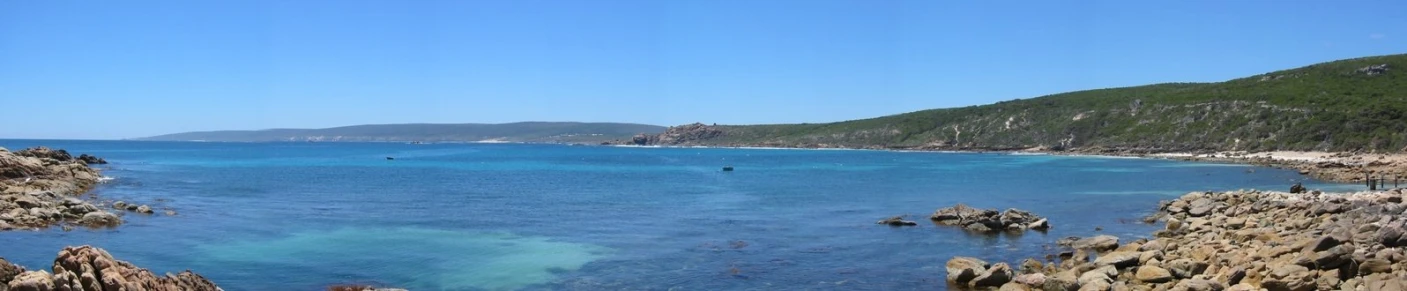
(1372, 185)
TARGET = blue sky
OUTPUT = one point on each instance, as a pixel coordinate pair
(122, 69)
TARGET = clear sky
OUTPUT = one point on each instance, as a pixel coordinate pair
(123, 69)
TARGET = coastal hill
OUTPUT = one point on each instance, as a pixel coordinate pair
(1348, 105)
(469, 132)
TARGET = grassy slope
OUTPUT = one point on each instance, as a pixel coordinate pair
(1328, 106)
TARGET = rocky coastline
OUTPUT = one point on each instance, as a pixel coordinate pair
(87, 268)
(42, 187)
(1239, 240)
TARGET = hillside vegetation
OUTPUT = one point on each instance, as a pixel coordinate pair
(510, 132)
(1348, 105)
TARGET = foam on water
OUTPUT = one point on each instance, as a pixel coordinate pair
(447, 260)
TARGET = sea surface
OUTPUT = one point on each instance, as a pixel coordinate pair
(301, 216)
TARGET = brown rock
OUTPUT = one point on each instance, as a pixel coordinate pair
(995, 276)
(1119, 259)
(961, 270)
(1098, 243)
(1289, 278)
(1061, 281)
(1153, 274)
(1373, 266)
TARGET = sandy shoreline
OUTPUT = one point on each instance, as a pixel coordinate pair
(1327, 166)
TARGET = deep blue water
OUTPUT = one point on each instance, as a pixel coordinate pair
(300, 216)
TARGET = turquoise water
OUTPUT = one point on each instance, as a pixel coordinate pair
(300, 216)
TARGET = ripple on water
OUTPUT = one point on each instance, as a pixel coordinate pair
(414, 258)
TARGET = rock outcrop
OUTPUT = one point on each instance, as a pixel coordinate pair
(38, 188)
(679, 135)
(989, 220)
(1241, 240)
(88, 268)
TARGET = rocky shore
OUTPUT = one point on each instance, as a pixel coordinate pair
(88, 268)
(1390, 169)
(1240, 240)
(41, 187)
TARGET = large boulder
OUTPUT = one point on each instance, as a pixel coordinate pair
(1289, 278)
(1098, 243)
(1118, 259)
(1152, 274)
(963, 269)
(8, 271)
(33, 281)
(999, 274)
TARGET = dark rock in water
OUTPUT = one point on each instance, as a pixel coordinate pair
(45, 153)
(897, 221)
(989, 220)
(1298, 188)
(91, 160)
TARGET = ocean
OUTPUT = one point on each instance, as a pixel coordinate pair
(302, 216)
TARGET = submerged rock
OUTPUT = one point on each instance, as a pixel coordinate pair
(897, 221)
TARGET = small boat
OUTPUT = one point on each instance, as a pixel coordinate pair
(389, 158)
(727, 168)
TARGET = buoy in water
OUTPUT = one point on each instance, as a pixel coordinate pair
(727, 168)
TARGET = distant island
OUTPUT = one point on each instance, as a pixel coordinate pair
(546, 132)
(1354, 105)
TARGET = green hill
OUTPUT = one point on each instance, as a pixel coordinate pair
(509, 132)
(1347, 105)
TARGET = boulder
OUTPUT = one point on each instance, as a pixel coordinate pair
(100, 219)
(8, 271)
(1118, 259)
(1033, 279)
(32, 281)
(147, 210)
(999, 274)
(1098, 243)
(1186, 268)
(1373, 266)
(1289, 278)
(1061, 281)
(91, 160)
(963, 269)
(1152, 274)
